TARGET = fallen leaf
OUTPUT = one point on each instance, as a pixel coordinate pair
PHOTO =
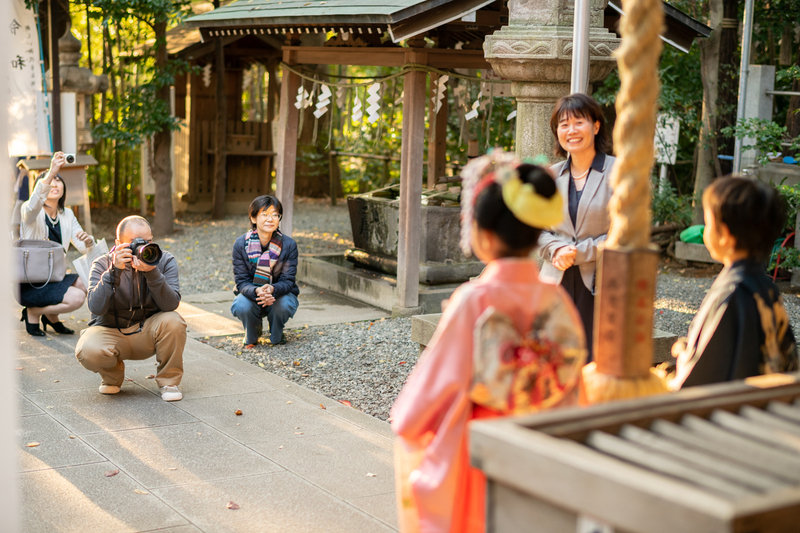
(19, 368)
(55, 381)
(401, 363)
(32, 444)
(42, 369)
(290, 401)
(296, 363)
(298, 432)
(72, 436)
(260, 364)
(140, 491)
(345, 402)
(303, 375)
(238, 412)
(322, 406)
(128, 379)
(50, 406)
(111, 473)
(280, 447)
(233, 506)
(174, 468)
(151, 376)
(230, 373)
(370, 474)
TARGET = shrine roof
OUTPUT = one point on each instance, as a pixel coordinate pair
(319, 13)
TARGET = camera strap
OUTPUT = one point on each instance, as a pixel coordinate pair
(114, 303)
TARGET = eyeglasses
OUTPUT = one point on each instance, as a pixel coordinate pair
(270, 216)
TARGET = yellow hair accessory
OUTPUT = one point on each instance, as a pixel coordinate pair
(528, 206)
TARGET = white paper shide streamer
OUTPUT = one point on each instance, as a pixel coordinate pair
(357, 115)
(373, 111)
(474, 113)
(439, 95)
(323, 100)
(303, 98)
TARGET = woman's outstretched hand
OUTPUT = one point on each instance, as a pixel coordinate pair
(565, 257)
(56, 164)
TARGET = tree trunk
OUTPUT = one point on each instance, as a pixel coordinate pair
(708, 163)
(728, 73)
(220, 156)
(113, 84)
(793, 116)
(162, 141)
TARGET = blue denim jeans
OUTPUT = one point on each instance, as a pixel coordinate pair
(251, 314)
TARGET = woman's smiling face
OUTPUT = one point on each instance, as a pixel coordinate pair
(576, 133)
(56, 189)
(267, 220)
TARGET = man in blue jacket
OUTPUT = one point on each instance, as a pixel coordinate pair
(264, 267)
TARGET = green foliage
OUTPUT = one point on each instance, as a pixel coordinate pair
(790, 194)
(142, 110)
(670, 208)
(769, 137)
(788, 74)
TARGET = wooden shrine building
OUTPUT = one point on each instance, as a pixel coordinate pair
(249, 142)
(443, 34)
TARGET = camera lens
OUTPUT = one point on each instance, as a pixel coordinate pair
(70, 158)
(150, 254)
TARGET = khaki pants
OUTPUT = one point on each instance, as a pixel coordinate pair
(103, 350)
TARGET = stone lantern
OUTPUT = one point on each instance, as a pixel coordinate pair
(77, 86)
(535, 52)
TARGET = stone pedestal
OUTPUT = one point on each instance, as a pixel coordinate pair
(535, 52)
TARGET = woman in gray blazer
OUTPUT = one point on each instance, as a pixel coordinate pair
(570, 249)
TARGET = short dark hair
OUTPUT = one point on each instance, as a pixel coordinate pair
(135, 220)
(63, 191)
(753, 211)
(263, 202)
(491, 212)
(579, 105)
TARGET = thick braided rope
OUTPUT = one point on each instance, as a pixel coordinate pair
(638, 58)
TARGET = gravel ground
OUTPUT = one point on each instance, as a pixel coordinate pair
(366, 363)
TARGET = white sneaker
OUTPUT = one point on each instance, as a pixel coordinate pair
(108, 389)
(171, 393)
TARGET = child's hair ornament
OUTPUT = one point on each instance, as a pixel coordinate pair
(521, 198)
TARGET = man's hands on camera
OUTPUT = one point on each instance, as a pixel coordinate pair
(123, 256)
(264, 295)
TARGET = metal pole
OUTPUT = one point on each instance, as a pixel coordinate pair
(580, 47)
(744, 70)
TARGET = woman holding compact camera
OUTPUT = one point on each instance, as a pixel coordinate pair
(44, 217)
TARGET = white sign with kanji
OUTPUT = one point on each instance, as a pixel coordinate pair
(27, 128)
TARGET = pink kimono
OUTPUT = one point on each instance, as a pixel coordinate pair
(507, 344)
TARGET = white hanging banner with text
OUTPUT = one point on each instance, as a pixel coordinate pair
(27, 126)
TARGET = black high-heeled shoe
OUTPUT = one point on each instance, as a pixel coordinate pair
(32, 329)
(58, 327)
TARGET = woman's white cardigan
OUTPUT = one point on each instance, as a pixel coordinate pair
(34, 225)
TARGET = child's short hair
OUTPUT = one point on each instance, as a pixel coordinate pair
(492, 213)
(754, 212)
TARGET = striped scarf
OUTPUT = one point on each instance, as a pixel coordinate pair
(264, 261)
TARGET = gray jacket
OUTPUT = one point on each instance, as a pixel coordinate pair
(139, 295)
(591, 225)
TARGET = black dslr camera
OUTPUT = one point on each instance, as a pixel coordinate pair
(148, 253)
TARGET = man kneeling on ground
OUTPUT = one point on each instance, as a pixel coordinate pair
(265, 266)
(133, 295)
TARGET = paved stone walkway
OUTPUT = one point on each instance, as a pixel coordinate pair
(293, 461)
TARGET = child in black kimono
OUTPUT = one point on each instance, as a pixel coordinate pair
(742, 328)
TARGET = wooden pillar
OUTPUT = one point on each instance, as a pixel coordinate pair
(56, 16)
(411, 161)
(437, 138)
(220, 134)
(287, 144)
(272, 99)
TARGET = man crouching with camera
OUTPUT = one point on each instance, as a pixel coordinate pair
(133, 295)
